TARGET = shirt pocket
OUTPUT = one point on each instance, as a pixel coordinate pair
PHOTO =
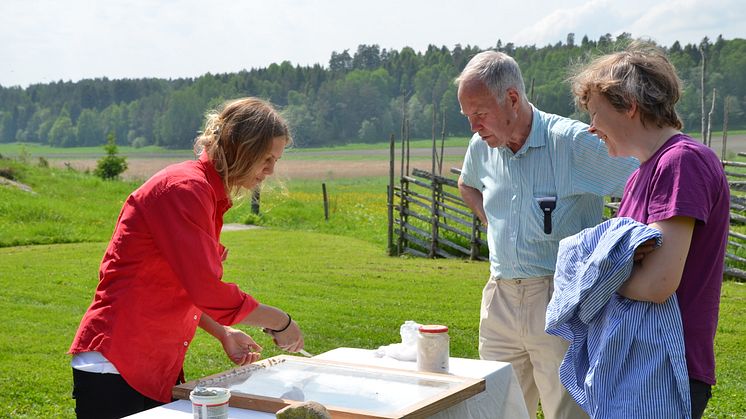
(564, 221)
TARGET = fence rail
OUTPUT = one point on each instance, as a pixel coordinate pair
(431, 219)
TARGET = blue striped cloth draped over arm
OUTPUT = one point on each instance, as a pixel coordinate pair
(626, 358)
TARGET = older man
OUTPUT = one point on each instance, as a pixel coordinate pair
(533, 178)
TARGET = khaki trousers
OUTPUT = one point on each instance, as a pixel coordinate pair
(511, 329)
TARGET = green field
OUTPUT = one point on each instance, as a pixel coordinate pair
(14, 149)
(333, 276)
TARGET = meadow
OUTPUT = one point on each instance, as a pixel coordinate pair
(334, 276)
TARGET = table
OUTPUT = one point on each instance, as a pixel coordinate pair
(502, 397)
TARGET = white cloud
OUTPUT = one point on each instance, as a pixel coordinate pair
(49, 40)
(687, 21)
(581, 20)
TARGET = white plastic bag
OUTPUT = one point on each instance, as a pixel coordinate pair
(407, 349)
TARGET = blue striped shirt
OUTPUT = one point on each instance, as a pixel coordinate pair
(560, 159)
(626, 358)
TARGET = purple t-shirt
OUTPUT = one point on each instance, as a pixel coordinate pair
(686, 178)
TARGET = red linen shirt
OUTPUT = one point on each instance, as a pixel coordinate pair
(162, 269)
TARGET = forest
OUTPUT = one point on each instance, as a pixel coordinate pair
(360, 96)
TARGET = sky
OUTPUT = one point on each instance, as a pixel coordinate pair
(43, 41)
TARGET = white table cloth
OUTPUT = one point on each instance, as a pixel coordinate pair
(501, 398)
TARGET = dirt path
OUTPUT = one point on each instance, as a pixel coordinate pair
(141, 167)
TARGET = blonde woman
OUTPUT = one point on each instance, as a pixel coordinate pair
(680, 189)
(161, 275)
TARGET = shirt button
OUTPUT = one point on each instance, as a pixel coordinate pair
(195, 317)
(186, 343)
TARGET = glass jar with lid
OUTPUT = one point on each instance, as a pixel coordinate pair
(433, 348)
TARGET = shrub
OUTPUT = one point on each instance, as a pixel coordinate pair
(112, 165)
(139, 142)
(8, 173)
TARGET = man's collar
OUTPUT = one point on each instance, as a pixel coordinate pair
(535, 136)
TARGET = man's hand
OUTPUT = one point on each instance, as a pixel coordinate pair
(240, 347)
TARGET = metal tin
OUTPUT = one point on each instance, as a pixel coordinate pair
(210, 402)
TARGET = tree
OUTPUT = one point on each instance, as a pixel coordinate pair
(330, 104)
(367, 57)
(605, 42)
(624, 38)
(368, 131)
(340, 62)
(34, 132)
(115, 118)
(7, 127)
(304, 124)
(571, 40)
(90, 131)
(111, 165)
(178, 125)
(675, 48)
(62, 133)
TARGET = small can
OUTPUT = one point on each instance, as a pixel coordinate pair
(433, 348)
(210, 402)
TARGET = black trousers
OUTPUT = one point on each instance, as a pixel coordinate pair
(104, 396)
(701, 394)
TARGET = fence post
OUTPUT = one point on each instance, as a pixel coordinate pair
(390, 197)
(403, 217)
(326, 202)
(435, 196)
(726, 109)
(435, 219)
(401, 244)
(255, 201)
(474, 238)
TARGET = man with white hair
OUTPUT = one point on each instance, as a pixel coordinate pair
(533, 178)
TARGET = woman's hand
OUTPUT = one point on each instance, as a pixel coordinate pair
(284, 331)
(644, 249)
(240, 347)
(290, 339)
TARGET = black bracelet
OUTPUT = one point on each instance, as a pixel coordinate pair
(290, 320)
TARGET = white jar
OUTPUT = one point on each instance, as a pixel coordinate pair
(432, 348)
(210, 402)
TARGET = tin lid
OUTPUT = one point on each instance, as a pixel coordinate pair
(209, 395)
(433, 328)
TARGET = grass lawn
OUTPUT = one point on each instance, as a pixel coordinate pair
(346, 293)
(34, 149)
(333, 276)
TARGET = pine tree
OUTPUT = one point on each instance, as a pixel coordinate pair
(111, 165)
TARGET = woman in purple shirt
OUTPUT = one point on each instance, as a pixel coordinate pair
(680, 189)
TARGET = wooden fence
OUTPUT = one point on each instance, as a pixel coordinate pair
(428, 218)
(734, 262)
(432, 220)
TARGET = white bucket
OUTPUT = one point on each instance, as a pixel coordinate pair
(210, 402)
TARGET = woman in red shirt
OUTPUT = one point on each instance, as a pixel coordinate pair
(161, 274)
